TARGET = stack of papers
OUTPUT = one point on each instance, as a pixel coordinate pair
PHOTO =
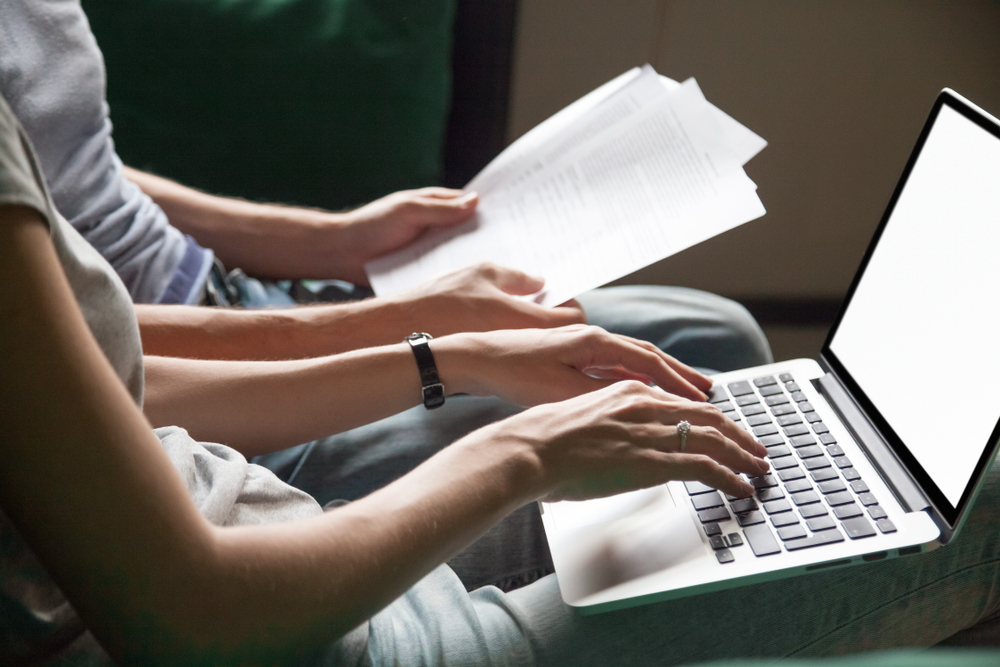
(636, 171)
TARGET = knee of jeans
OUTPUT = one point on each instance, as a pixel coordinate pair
(747, 330)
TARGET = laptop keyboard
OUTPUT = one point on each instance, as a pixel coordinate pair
(813, 495)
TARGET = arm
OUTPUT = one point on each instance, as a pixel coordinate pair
(480, 298)
(295, 242)
(94, 495)
(262, 406)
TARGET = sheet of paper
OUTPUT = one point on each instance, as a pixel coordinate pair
(639, 176)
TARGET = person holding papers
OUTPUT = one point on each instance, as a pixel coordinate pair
(152, 231)
(140, 546)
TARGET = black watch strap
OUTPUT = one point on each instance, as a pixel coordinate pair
(433, 390)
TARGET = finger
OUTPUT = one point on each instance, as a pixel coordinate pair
(701, 468)
(570, 312)
(433, 211)
(704, 414)
(711, 442)
(639, 359)
(439, 192)
(700, 380)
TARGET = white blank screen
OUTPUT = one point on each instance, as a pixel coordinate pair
(920, 334)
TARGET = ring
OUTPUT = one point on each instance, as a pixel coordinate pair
(683, 428)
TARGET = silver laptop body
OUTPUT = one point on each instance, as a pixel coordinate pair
(878, 450)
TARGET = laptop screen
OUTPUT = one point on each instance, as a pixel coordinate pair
(919, 336)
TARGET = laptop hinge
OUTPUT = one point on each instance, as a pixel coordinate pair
(895, 475)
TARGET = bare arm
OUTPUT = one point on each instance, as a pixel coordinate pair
(480, 298)
(294, 242)
(96, 498)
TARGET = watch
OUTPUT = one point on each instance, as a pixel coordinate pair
(432, 388)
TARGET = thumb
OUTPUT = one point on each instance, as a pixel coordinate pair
(439, 211)
(514, 282)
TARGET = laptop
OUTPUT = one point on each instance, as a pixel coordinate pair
(878, 449)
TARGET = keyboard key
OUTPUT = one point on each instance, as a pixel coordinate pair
(777, 506)
(812, 511)
(758, 420)
(712, 529)
(743, 505)
(718, 542)
(798, 485)
(859, 486)
(827, 439)
(749, 399)
(765, 482)
(791, 473)
(714, 514)
(784, 462)
(752, 409)
(835, 450)
(816, 463)
(876, 512)
(857, 528)
(761, 540)
(812, 417)
(867, 499)
(750, 518)
(785, 377)
(771, 390)
(792, 386)
(847, 511)
(695, 488)
(815, 540)
(832, 486)
(778, 450)
(717, 394)
(769, 440)
(823, 474)
(805, 406)
(707, 501)
(802, 441)
(770, 494)
(765, 381)
(785, 409)
(725, 406)
(820, 428)
(767, 429)
(735, 539)
(886, 526)
(843, 462)
(791, 533)
(740, 388)
(850, 474)
(732, 415)
(798, 429)
(810, 451)
(799, 397)
(788, 420)
(784, 519)
(725, 556)
(840, 498)
(777, 399)
(821, 523)
(805, 498)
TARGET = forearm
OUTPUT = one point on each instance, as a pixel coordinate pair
(262, 239)
(196, 332)
(263, 406)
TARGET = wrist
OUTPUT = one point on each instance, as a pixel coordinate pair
(460, 364)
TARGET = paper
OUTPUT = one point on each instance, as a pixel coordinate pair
(639, 169)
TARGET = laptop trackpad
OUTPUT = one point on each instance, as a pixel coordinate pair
(613, 540)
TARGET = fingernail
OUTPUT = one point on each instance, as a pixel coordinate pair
(748, 488)
(468, 198)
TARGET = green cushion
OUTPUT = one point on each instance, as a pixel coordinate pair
(933, 657)
(320, 102)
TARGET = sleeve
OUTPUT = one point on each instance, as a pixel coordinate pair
(21, 182)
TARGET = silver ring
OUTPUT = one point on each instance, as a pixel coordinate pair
(683, 428)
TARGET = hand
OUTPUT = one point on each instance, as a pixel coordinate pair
(622, 438)
(394, 222)
(482, 298)
(534, 366)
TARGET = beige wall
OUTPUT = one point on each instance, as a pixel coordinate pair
(839, 89)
